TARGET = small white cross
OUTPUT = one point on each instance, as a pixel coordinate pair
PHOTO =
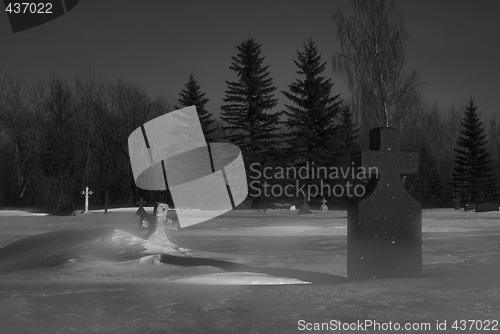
(323, 206)
(87, 194)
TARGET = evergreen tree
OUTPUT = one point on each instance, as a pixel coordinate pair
(348, 132)
(192, 95)
(494, 140)
(246, 122)
(347, 141)
(312, 114)
(426, 185)
(473, 179)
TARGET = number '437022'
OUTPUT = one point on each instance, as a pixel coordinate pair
(29, 8)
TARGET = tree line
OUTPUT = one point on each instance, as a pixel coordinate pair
(61, 135)
(58, 136)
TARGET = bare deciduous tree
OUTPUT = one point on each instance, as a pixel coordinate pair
(18, 122)
(60, 135)
(372, 61)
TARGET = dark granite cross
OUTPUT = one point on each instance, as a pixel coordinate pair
(141, 210)
(385, 155)
(141, 202)
(384, 236)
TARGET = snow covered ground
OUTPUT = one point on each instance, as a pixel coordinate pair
(16, 213)
(117, 288)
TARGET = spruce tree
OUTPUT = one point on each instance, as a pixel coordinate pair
(426, 185)
(348, 132)
(473, 179)
(247, 101)
(192, 95)
(495, 149)
(312, 114)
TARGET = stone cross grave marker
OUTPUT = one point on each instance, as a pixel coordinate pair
(323, 204)
(87, 194)
(384, 233)
(140, 211)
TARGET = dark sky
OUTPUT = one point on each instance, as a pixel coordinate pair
(453, 44)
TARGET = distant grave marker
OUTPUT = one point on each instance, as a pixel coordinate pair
(323, 204)
(487, 206)
(87, 194)
(141, 211)
(470, 206)
(384, 236)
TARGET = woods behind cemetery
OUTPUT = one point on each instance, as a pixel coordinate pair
(68, 132)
